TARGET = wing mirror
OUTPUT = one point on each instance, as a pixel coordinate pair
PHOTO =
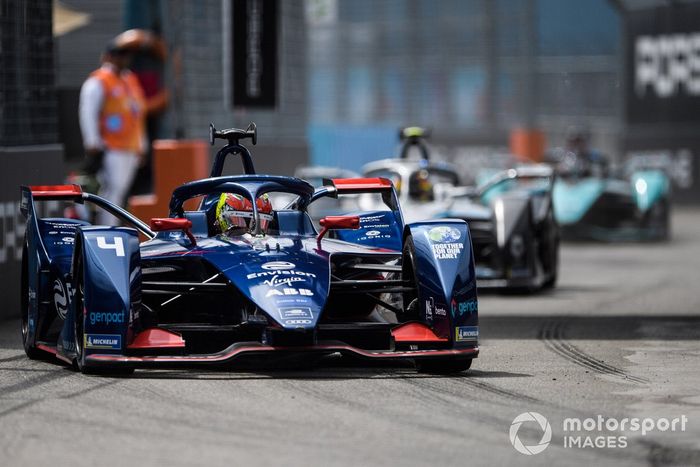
(336, 223)
(162, 224)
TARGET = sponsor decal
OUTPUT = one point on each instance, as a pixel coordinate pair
(288, 291)
(462, 308)
(444, 234)
(375, 235)
(440, 310)
(276, 281)
(103, 341)
(60, 298)
(96, 317)
(296, 315)
(444, 242)
(447, 250)
(467, 333)
(68, 239)
(366, 219)
(292, 322)
(278, 266)
(429, 304)
(432, 309)
(255, 275)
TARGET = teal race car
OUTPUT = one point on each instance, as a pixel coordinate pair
(592, 204)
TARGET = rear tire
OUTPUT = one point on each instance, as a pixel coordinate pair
(444, 366)
(551, 252)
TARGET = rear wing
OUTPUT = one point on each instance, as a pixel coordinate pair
(74, 193)
(334, 187)
(52, 192)
(348, 186)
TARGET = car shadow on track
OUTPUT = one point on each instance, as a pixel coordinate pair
(590, 327)
(560, 291)
(332, 368)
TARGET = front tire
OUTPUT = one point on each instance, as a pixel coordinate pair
(408, 274)
(659, 220)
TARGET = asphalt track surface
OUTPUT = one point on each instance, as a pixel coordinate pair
(619, 337)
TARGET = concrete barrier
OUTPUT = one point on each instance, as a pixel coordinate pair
(22, 165)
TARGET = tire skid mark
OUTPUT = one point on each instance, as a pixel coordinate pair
(553, 336)
(423, 394)
(31, 382)
(21, 406)
(84, 391)
(475, 383)
(13, 358)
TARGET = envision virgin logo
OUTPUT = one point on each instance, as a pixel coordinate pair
(546, 433)
(278, 266)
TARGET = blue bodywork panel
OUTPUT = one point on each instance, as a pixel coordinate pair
(446, 275)
(111, 278)
(381, 229)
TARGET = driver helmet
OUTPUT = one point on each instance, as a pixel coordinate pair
(577, 138)
(235, 212)
(421, 188)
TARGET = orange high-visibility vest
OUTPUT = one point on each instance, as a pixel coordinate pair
(122, 115)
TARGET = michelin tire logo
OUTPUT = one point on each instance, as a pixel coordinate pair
(103, 341)
(467, 333)
(546, 433)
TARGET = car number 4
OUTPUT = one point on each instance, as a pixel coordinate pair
(117, 246)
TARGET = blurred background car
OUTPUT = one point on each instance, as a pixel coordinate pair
(510, 216)
(594, 201)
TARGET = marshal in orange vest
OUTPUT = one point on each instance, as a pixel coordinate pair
(122, 115)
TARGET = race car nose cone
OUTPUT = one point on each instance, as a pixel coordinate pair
(289, 338)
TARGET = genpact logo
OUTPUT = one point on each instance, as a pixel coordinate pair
(546, 433)
(106, 318)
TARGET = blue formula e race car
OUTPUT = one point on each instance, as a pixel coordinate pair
(98, 299)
